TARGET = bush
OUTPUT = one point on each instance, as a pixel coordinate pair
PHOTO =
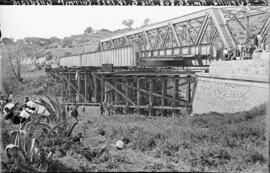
(255, 157)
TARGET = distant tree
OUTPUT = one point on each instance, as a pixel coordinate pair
(88, 30)
(146, 21)
(15, 56)
(54, 40)
(67, 42)
(20, 41)
(105, 30)
(8, 41)
(128, 23)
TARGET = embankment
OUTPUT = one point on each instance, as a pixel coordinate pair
(232, 86)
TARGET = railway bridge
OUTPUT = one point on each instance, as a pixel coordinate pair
(133, 72)
(193, 38)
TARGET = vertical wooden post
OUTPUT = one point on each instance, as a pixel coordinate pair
(86, 87)
(105, 92)
(101, 90)
(151, 82)
(79, 86)
(95, 88)
(115, 93)
(188, 95)
(69, 82)
(163, 93)
(127, 94)
(138, 96)
(175, 93)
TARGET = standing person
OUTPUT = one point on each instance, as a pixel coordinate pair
(101, 108)
(74, 112)
(259, 41)
(225, 54)
(230, 54)
(10, 97)
(248, 49)
(83, 109)
(244, 50)
(26, 100)
(239, 49)
(255, 41)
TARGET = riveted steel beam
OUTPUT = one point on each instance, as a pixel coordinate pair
(222, 28)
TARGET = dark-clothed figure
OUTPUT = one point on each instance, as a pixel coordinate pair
(74, 112)
(259, 40)
(101, 108)
(26, 100)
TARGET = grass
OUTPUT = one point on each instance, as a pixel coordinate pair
(230, 142)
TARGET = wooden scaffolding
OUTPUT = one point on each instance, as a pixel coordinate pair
(144, 91)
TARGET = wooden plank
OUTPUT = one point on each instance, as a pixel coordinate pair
(151, 97)
(188, 95)
(105, 93)
(85, 86)
(79, 86)
(163, 92)
(138, 96)
(127, 91)
(69, 81)
(115, 93)
(154, 107)
(101, 90)
(85, 104)
(90, 81)
(155, 94)
(175, 92)
(66, 80)
(120, 93)
(95, 88)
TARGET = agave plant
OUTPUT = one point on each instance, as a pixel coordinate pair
(58, 119)
(48, 118)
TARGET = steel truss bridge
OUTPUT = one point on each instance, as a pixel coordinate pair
(187, 36)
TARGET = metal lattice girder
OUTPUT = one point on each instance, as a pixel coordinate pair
(222, 28)
(190, 29)
(202, 29)
(160, 25)
(265, 29)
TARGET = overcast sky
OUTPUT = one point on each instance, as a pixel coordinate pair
(62, 21)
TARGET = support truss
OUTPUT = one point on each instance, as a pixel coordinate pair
(192, 29)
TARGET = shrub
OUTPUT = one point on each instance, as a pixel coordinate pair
(255, 157)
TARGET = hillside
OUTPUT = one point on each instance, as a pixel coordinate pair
(55, 47)
(25, 55)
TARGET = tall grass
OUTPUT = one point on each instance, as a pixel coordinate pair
(206, 141)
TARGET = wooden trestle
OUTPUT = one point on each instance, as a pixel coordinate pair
(141, 91)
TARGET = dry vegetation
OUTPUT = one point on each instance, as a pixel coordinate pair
(207, 142)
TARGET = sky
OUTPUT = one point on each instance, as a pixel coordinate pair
(18, 22)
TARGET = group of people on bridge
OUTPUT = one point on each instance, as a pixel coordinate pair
(244, 50)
